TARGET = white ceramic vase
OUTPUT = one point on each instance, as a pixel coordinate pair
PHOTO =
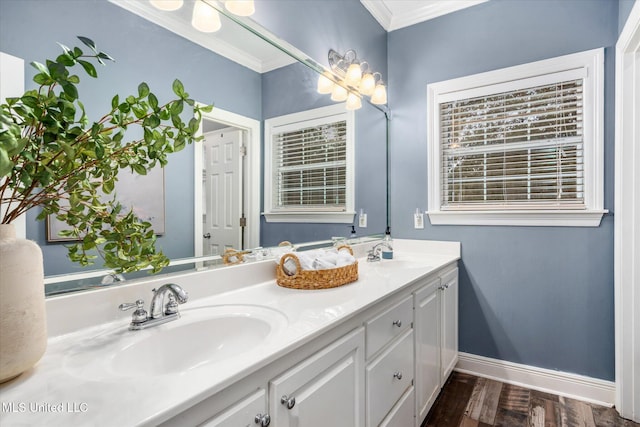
(23, 327)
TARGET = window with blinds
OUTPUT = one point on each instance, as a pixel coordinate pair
(521, 146)
(310, 168)
(514, 149)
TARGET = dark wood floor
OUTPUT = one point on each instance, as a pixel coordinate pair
(469, 401)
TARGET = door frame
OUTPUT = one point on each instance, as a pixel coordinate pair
(627, 210)
(251, 175)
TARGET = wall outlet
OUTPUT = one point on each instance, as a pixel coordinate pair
(362, 220)
(418, 220)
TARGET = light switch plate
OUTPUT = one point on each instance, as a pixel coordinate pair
(418, 220)
(362, 220)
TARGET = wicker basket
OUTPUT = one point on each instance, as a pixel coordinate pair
(316, 279)
(233, 256)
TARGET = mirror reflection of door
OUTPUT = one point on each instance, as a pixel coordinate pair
(223, 190)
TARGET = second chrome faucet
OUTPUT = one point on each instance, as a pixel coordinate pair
(159, 310)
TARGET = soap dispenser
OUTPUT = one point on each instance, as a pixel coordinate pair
(387, 247)
(353, 231)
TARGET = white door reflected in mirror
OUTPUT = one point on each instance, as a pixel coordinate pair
(222, 185)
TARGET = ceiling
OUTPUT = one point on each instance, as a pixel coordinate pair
(395, 14)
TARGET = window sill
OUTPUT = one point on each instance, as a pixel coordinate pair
(581, 218)
(317, 217)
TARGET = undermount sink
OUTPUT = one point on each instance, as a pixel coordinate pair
(200, 336)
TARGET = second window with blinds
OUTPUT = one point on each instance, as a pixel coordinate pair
(309, 168)
(519, 146)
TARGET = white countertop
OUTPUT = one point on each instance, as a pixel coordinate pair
(58, 392)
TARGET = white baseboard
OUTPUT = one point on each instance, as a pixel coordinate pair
(574, 386)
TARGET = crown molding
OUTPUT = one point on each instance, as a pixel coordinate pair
(422, 11)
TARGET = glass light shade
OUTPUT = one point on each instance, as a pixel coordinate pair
(339, 93)
(240, 7)
(379, 96)
(168, 5)
(354, 74)
(353, 102)
(205, 18)
(367, 84)
(325, 84)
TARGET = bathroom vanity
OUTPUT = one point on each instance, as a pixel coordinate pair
(246, 352)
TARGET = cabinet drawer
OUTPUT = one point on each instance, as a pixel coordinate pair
(388, 325)
(388, 377)
(242, 413)
(402, 414)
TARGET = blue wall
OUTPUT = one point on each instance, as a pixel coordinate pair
(532, 295)
(623, 13)
(143, 52)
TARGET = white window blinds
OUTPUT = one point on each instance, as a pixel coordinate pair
(518, 149)
(310, 168)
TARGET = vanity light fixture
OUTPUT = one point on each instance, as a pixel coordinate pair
(354, 74)
(167, 5)
(379, 96)
(339, 93)
(350, 79)
(368, 83)
(240, 7)
(205, 18)
(325, 84)
(353, 101)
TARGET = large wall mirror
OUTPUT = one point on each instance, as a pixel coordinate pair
(249, 82)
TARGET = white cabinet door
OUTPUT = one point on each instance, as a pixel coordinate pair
(427, 346)
(249, 412)
(324, 390)
(449, 329)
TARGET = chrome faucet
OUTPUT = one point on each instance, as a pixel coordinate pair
(374, 253)
(158, 308)
(159, 311)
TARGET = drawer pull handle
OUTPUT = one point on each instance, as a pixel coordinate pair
(263, 420)
(397, 323)
(288, 402)
(397, 375)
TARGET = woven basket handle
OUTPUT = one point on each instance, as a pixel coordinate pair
(345, 246)
(295, 260)
(231, 253)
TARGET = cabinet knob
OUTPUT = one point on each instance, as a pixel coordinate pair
(263, 420)
(288, 402)
(397, 375)
(397, 323)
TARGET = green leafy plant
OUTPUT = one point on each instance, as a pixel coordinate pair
(53, 157)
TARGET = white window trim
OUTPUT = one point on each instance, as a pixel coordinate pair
(270, 125)
(592, 62)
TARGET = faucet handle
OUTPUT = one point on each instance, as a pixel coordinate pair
(139, 315)
(129, 305)
(172, 305)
